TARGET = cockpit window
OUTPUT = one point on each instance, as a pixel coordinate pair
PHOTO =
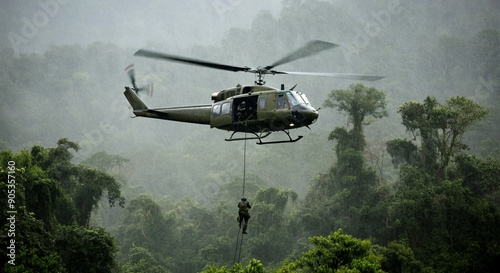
(226, 107)
(216, 110)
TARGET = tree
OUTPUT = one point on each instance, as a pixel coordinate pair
(146, 226)
(141, 260)
(358, 102)
(441, 128)
(104, 161)
(254, 266)
(86, 250)
(61, 153)
(402, 152)
(350, 174)
(90, 186)
(340, 197)
(399, 258)
(74, 190)
(34, 250)
(269, 223)
(335, 253)
(444, 196)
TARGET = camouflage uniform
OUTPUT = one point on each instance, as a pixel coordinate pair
(244, 206)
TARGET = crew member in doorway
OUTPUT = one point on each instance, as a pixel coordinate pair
(243, 214)
(241, 114)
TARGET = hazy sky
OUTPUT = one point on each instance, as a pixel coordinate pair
(401, 44)
(28, 26)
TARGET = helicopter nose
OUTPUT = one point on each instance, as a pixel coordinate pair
(306, 117)
(311, 116)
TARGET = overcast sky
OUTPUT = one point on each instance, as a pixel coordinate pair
(29, 26)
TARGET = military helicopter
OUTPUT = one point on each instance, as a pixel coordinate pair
(255, 109)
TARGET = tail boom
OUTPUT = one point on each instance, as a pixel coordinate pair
(199, 114)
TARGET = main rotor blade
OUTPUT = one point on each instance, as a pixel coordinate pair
(361, 77)
(168, 57)
(309, 49)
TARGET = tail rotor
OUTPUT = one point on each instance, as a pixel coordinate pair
(143, 89)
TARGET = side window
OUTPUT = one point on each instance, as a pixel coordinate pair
(262, 102)
(280, 103)
(225, 108)
(216, 110)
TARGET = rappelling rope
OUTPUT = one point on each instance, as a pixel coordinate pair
(236, 247)
(241, 243)
(238, 241)
(244, 164)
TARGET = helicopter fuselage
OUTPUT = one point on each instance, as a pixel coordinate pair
(251, 109)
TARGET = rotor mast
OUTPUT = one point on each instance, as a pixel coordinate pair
(259, 74)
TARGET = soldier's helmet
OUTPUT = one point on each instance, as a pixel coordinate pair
(243, 198)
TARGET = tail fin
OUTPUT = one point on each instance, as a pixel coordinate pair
(134, 100)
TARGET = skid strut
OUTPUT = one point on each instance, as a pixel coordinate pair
(260, 136)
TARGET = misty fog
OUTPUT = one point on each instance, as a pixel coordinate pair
(390, 38)
(383, 37)
(63, 76)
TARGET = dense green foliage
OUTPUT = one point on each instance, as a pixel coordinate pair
(150, 196)
(336, 253)
(53, 200)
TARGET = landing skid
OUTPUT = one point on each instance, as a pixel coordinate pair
(263, 135)
(256, 136)
(290, 140)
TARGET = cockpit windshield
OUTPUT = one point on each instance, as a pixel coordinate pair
(296, 98)
(304, 98)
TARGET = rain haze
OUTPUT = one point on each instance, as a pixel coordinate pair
(173, 24)
(63, 76)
